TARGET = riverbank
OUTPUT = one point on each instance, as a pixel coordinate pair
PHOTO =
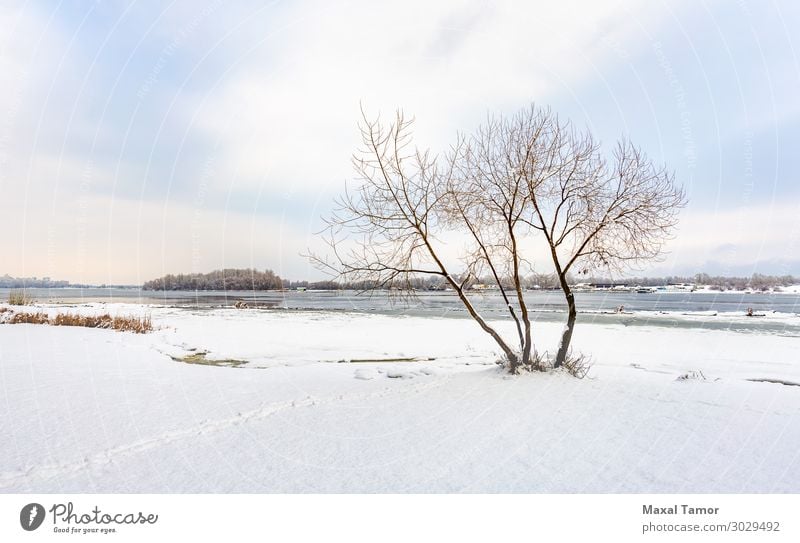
(280, 401)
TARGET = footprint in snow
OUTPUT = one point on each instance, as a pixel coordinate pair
(366, 374)
(400, 374)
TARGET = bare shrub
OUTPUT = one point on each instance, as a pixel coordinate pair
(692, 376)
(19, 297)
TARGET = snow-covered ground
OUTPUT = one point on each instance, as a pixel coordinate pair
(86, 410)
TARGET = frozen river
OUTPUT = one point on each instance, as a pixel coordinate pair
(777, 313)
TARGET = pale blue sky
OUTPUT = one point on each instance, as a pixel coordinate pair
(141, 138)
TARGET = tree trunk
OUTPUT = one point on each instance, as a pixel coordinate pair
(566, 337)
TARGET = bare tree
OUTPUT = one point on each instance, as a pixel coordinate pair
(593, 212)
(384, 231)
(513, 180)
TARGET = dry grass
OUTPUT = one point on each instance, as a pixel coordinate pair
(138, 325)
(29, 318)
(19, 297)
(577, 365)
(539, 362)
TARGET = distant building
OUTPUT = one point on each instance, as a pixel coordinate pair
(608, 286)
(482, 286)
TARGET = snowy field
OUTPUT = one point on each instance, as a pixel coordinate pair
(287, 401)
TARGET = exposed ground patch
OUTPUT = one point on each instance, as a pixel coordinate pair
(776, 381)
(200, 358)
(368, 360)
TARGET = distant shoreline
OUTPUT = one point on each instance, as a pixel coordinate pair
(701, 289)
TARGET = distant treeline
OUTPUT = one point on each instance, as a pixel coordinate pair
(230, 279)
(756, 281)
(6, 281)
(249, 279)
(550, 281)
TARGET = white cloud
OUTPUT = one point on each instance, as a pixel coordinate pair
(275, 105)
(743, 240)
(287, 111)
